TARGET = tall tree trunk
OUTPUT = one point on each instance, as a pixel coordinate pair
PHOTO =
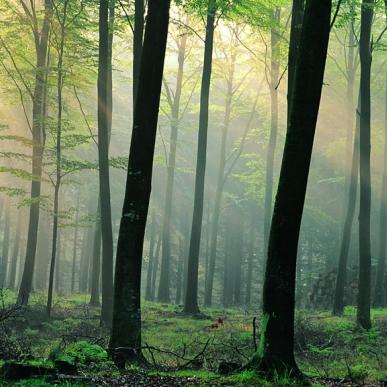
(96, 264)
(164, 286)
(338, 301)
(104, 129)
(294, 43)
(220, 182)
(379, 296)
(38, 138)
(191, 297)
(250, 262)
(151, 264)
(275, 353)
(137, 45)
(60, 76)
(126, 330)
(274, 77)
(364, 289)
(75, 245)
(155, 268)
(5, 248)
(15, 253)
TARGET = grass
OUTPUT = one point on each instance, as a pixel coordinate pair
(326, 346)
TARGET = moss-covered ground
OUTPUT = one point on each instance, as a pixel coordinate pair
(182, 350)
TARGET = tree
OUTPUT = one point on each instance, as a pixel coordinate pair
(41, 37)
(364, 290)
(191, 296)
(379, 295)
(174, 102)
(275, 353)
(352, 175)
(137, 45)
(104, 128)
(274, 78)
(126, 329)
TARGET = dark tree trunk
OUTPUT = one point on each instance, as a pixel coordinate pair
(104, 129)
(274, 77)
(38, 138)
(380, 293)
(137, 45)
(364, 289)
(220, 181)
(126, 330)
(151, 264)
(294, 43)
(338, 301)
(191, 297)
(275, 353)
(228, 280)
(164, 286)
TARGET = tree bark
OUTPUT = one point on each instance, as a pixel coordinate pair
(151, 264)
(380, 293)
(104, 129)
(126, 330)
(275, 353)
(338, 303)
(164, 286)
(38, 139)
(191, 297)
(220, 181)
(274, 77)
(364, 289)
(137, 45)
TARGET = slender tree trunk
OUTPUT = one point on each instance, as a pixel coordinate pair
(59, 254)
(96, 264)
(126, 330)
(364, 292)
(275, 353)
(137, 45)
(104, 129)
(250, 262)
(38, 137)
(379, 296)
(191, 297)
(274, 77)
(15, 253)
(58, 157)
(151, 264)
(237, 258)
(75, 244)
(5, 248)
(155, 268)
(164, 286)
(338, 302)
(220, 183)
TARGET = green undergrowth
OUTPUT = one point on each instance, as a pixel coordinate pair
(325, 346)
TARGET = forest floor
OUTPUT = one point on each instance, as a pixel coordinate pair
(181, 350)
